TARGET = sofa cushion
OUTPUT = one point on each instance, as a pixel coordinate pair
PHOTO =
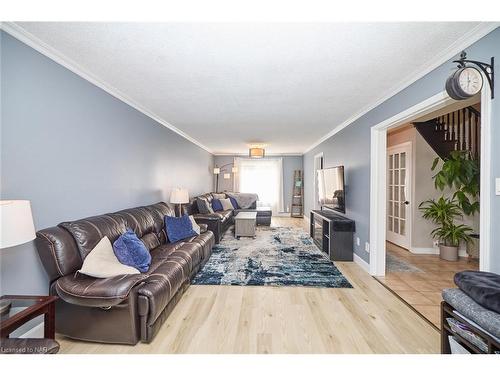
(161, 286)
(102, 262)
(196, 226)
(206, 240)
(204, 206)
(88, 232)
(162, 252)
(130, 250)
(216, 205)
(84, 290)
(179, 228)
(159, 211)
(234, 202)
(227, 205)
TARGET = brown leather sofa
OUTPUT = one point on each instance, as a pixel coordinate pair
(219, 222)
(127, 308)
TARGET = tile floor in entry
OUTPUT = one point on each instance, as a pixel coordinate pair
(422, 290)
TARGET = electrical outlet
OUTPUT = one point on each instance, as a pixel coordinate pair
(497, 186)
(367, 247)
(357, 241)
(436, 243)
(287, 208)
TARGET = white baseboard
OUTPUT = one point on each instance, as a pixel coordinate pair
(360, 262)
(433, 251)
(35, 332)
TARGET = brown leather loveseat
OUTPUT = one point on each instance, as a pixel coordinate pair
(127, 308)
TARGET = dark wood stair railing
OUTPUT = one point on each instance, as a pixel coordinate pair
(459, 130)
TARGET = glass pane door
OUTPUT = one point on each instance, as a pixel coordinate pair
(397, 200)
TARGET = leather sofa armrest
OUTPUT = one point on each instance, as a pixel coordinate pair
(203, 218)
(88, 291)
(203, 227)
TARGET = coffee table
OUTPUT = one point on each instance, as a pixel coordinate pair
(244, 224)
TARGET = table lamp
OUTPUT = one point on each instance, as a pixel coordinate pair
(178, 197)
(16, 228)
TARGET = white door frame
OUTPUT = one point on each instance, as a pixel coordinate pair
(408, 147)
(319, 155)
(378, 176)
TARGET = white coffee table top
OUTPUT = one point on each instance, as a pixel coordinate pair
(246, 216)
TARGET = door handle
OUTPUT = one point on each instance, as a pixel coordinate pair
(407, 203)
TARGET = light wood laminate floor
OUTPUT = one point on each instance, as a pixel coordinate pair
(252, 319)
(422, 290)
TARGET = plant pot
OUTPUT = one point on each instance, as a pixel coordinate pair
(448, 252)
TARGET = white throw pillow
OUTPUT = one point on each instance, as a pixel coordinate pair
(226, 204)
(196, 227)
(219, 195)
(102, 262)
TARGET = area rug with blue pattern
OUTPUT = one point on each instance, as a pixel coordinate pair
(278, 256)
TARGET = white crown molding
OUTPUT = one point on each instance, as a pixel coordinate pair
(246, 154)
(29, 39)
(469, 38)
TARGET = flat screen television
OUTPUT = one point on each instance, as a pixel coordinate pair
(331, 190)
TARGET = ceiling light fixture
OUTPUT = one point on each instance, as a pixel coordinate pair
(256, 152)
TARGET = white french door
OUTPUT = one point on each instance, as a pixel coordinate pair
(399, 171)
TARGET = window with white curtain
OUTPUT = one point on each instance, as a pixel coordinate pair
(263, 177)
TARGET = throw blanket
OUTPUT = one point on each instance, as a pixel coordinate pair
(244, 200)
(482, 287)
(486, 319)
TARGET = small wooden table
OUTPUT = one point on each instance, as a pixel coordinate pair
(244, 224)
(26, 308)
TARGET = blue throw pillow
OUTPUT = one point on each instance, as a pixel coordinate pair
(178, 228)
(234, 203)
(131, 251)
(217, 205)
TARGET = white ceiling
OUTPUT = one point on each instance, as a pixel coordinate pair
(230, 85)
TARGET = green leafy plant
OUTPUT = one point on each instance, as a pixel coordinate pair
(451, 234)
(460, 172)
(441, 211)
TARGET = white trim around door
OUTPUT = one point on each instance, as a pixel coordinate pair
(400, 194)
(378, 176)
(318, 159)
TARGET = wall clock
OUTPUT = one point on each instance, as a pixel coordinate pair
(464, 83)
(467, 80)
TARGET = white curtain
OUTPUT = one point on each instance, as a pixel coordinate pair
(263, 177)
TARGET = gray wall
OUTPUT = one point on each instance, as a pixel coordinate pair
(290, 163)
(74, 151)
(351, 146)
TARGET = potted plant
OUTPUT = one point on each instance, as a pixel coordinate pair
(443, 212)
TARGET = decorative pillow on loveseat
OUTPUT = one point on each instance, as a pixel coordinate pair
(216, 205)
(203, 206)
(179, 228)
(234, 203)
(101, 262)
(131, 251)
(227, 204)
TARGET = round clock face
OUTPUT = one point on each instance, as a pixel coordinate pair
(470, 81)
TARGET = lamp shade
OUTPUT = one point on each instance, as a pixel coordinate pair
(216, 170)
(256, 152)
(16, 223)
(179, 196)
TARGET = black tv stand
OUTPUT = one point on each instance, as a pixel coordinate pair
(333, 234)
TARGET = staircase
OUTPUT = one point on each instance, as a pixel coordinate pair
(459, 130)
